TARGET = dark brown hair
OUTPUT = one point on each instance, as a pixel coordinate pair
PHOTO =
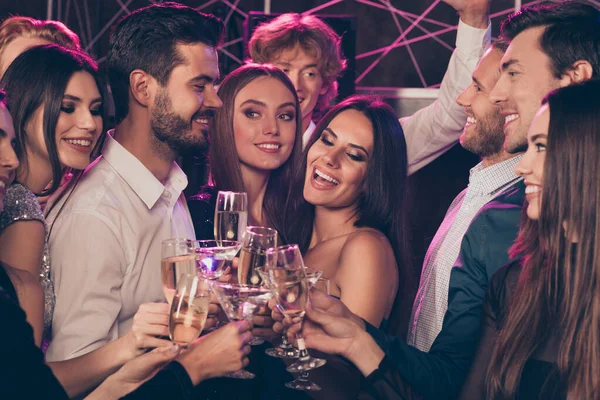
(223, 158)
(559, 287)
(314, 36)
(383, 199)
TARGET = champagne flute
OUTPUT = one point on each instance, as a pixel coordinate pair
(241, 302)
(189, 309)
(178, 257)
(214, 256)
(286, 271)
(303, 382)
(285, 348)
(255, 243)
(231, 216)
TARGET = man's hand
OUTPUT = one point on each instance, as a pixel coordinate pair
(475, 13)
(150, 323)
(222, 351)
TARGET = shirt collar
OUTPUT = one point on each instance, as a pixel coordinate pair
(488, 180)
(308, 133)
(138, 177)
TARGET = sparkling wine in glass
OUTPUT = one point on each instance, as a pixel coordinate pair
(178, 258)
(241, 302)
(257, 240)
(231, 216)
(189, 309)
(287, 274)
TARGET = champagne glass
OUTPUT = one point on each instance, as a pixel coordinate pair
(241, 302)
(178, 257)
(255, 243)
(231, 216)
(214, 256)
(286, 271)
(189, 309)
(285, 348)
(303, 382)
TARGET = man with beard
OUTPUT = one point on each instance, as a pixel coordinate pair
(483, 135)
(106, 233)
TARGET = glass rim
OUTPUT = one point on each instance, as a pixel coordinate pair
(177, 240)
(245, 287)
(251, 228)
(228, 243)
(231, 192)
(273, 250)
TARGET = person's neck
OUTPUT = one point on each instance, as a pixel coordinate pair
(330, 223)
(135, 135)
(255, 183)
(497, 158)
(34, 174)
(306, 122)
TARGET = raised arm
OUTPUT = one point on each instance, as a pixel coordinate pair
(368, 275)
(435, 129)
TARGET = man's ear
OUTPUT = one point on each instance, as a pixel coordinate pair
(143, 87)
(580, 71)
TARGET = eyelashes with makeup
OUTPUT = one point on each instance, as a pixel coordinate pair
(253, 114)
(70, 110)
(354, 157)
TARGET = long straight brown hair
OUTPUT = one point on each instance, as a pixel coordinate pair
(559, 286)
(226, 173)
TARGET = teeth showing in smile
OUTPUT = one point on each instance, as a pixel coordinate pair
(2, 185)
(268, 146)
(80, 142)
(201, 121)
(532, 189)
(327, 177)
(471, 120)
(510, 117)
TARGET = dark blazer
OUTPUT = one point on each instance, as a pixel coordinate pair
(440, 373)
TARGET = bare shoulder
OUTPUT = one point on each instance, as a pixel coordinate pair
(366, 239)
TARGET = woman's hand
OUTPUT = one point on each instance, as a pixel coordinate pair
(149, 323)
(134, 373)
(218, 353)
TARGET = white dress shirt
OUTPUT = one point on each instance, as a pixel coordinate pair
(105, 247)
(433, 130)
(307, 133)
(431, 301)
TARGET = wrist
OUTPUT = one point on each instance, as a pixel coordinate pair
(476, 18)
(365, 353)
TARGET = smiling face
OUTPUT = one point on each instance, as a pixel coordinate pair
(264, 124)
(302, 70)
(483, 134)
(525, 80)
(337, 162)
(531, 166)
(8, 158)
(78, 127)
(184, 107)
(17, 46)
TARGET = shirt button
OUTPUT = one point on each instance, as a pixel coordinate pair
(167, 194)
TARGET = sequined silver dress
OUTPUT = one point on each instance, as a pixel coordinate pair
(20, 204)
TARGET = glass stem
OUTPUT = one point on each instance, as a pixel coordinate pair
(284, 341)
(301, 346)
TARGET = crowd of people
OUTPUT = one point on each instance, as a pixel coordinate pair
(509, 295)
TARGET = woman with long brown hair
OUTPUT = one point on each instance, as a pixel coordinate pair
(255, 146)
(541, 327)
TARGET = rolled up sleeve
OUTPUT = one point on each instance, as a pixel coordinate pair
(435, 129)
(88, 265)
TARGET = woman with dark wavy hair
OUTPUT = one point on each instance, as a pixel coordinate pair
(347, 209)
(541, 327)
